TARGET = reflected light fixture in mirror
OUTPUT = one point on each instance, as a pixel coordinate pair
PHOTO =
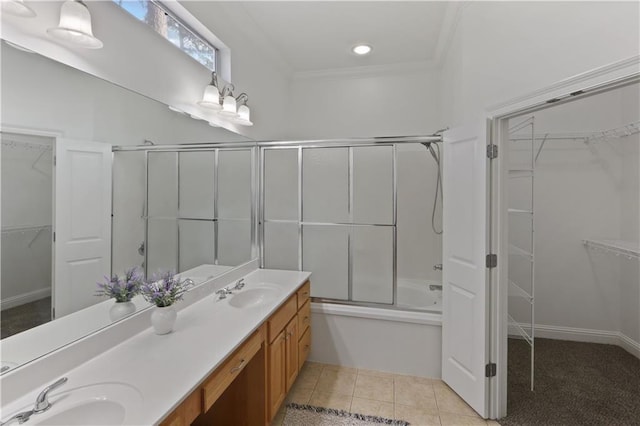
(211, 97)
(75, 26)
(17, 8)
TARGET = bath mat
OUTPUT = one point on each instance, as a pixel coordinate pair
(308, 415)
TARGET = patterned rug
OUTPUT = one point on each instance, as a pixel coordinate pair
(308, 415)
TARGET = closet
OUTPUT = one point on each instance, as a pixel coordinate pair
(27, 190)
(574, 269)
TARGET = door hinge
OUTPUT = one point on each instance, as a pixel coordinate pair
(54, 237)
(492, 260)
(492, 151)
(490, 370)
(55, 160)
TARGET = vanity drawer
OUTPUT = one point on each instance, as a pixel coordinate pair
(304, 318)
(223, 376)
(303, 294)
(304, 346)
(282, 317)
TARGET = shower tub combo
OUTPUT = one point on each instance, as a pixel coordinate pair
(331, 207)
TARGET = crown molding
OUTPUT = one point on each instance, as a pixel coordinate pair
(367, 70)
(452, 17)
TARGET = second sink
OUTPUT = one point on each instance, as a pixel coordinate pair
(256, 295)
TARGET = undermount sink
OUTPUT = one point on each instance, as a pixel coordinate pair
(108, 403)
(256, 295)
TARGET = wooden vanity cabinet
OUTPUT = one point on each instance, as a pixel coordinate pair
(285, 355)
(252, 383)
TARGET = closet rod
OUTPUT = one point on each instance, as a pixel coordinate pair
(24, 228)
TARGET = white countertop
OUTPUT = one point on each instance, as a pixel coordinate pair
(165, 369)
(30, 344)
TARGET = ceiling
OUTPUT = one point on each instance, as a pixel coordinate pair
(319, 35)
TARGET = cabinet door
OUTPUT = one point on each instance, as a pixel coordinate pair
(277, 373)
(292, 352)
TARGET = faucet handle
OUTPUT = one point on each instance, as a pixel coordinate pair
(240, 284)
(42, 401)
(222, 293)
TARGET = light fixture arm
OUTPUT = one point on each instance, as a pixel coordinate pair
(242, 99)
(214, 79)
(227, 90)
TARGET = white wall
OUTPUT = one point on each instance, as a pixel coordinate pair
(586, 191)
(255, 67)
(504, 49)
(137, 58)
(39, 93)
(381, 102)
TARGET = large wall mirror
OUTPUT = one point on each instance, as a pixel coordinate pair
(74, 162)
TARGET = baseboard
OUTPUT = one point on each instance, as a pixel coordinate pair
(21, 299)
(582, 335)
(630, 345)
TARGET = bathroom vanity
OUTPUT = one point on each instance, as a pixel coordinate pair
(252, 383)
(229, 360)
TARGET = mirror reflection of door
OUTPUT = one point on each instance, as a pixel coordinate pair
(26, 246)
(82, 223)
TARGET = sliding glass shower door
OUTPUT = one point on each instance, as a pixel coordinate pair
(332, 210)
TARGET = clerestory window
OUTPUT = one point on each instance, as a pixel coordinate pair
(155, 15)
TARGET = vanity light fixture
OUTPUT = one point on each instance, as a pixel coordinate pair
(244, 112)
(361, 49)
(75, 26)
(232, 109)
(211, 97)
(17, 8)
(229, 109)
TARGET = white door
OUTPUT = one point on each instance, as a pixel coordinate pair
(464, 244)
(82, 223)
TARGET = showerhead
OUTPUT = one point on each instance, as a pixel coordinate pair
(432, 151)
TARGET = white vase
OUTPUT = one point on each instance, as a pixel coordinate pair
(120, 310)
(163, 319)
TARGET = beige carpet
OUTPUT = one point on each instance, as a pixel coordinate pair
(308, 415)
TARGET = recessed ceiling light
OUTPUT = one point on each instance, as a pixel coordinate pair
(361, 49)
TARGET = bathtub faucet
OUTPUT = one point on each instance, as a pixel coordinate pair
(434, 287)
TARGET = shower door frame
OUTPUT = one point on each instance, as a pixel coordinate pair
(589, 83)
(300, 145)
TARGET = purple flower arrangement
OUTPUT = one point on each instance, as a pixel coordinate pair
(165, 289)
(122, 288)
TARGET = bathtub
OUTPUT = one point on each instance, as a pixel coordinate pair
(415, 294)
(404, 340)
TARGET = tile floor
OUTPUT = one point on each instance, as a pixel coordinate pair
(417, 400)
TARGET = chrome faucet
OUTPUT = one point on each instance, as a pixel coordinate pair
(42, 404)
(42, 401)
(239, 285)
(223, 292)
